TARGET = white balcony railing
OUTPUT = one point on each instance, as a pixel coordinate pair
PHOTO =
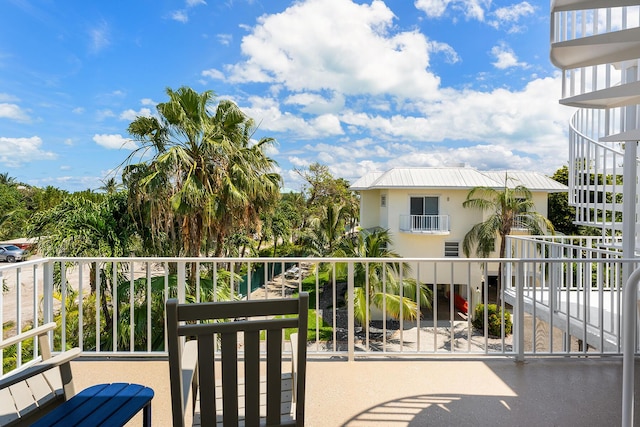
(432, 224)
(563, 305)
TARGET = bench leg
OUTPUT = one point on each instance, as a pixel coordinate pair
(146, 415)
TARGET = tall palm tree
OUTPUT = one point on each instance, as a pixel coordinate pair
(205, 174)
(246, 183)
(386, 286)
(505, 206)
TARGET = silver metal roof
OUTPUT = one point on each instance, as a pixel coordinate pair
(453, 178)
(534, 181)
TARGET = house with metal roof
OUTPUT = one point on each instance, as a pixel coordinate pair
(422, 208)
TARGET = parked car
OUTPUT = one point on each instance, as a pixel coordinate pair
(12, 253)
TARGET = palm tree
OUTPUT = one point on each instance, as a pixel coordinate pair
(385, 286)
(5, 179)
(326, 230)
(206, 176)
(505, 206)
(246, 183)
(110, 185)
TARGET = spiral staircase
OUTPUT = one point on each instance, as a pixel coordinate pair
(596, 44)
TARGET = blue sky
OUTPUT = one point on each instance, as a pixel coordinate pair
(356, 85)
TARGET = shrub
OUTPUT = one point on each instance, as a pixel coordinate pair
(495, 320)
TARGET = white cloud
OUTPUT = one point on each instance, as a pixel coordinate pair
(514, 12)
(298, 162)
(511, 15)
(225, 39)
(213, 74)
(99, 37)
(5, 97)
(373, 62)
(14, 152)
(527, 121)
(104, 114)
(180, 16)
(450, 54)
(267, 114)
(317, 104)
(471, 9)
(114, 142)
(131, 115)
(13, 112)
(505, 57)
(432, 8)
(78, 110)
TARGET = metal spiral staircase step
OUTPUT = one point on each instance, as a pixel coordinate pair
(604, 48)
(616, 96)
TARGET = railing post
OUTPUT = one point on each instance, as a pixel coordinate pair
(350, 313)
(47, 292)
(519, 330)
(182, 282)
(629, 304)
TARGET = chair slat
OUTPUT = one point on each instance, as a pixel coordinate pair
(229, 352)
(231, 309)
(274, 375)
(237, 326)
(252, 377)
(207, 376)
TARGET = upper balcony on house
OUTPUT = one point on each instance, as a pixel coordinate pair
(425, 224)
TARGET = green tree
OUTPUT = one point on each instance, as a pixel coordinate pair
(79, 227)
(322, 189)
(561, 214)
(110, 185)
(13, 210)
(326, 230)
(206, 175)
(5, 179)
(385, 286)
(505, 206)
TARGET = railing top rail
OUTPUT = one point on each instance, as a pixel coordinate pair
(321, 260)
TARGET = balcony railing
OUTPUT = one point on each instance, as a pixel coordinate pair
(430, 224)
(560, 306)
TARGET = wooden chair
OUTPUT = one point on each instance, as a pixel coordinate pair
(39, 386)
(247, 400)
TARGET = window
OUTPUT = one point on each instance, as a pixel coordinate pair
(424, 212)
(383, 201)
(451, 249)
(424, 205)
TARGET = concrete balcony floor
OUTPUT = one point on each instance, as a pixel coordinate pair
(423, 392)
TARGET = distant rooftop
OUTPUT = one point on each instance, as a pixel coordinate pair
(455, 178)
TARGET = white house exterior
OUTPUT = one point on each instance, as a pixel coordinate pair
(422, 208)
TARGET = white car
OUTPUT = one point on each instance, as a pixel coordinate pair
(12, 253)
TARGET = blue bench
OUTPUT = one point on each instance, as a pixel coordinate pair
(102, 405)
